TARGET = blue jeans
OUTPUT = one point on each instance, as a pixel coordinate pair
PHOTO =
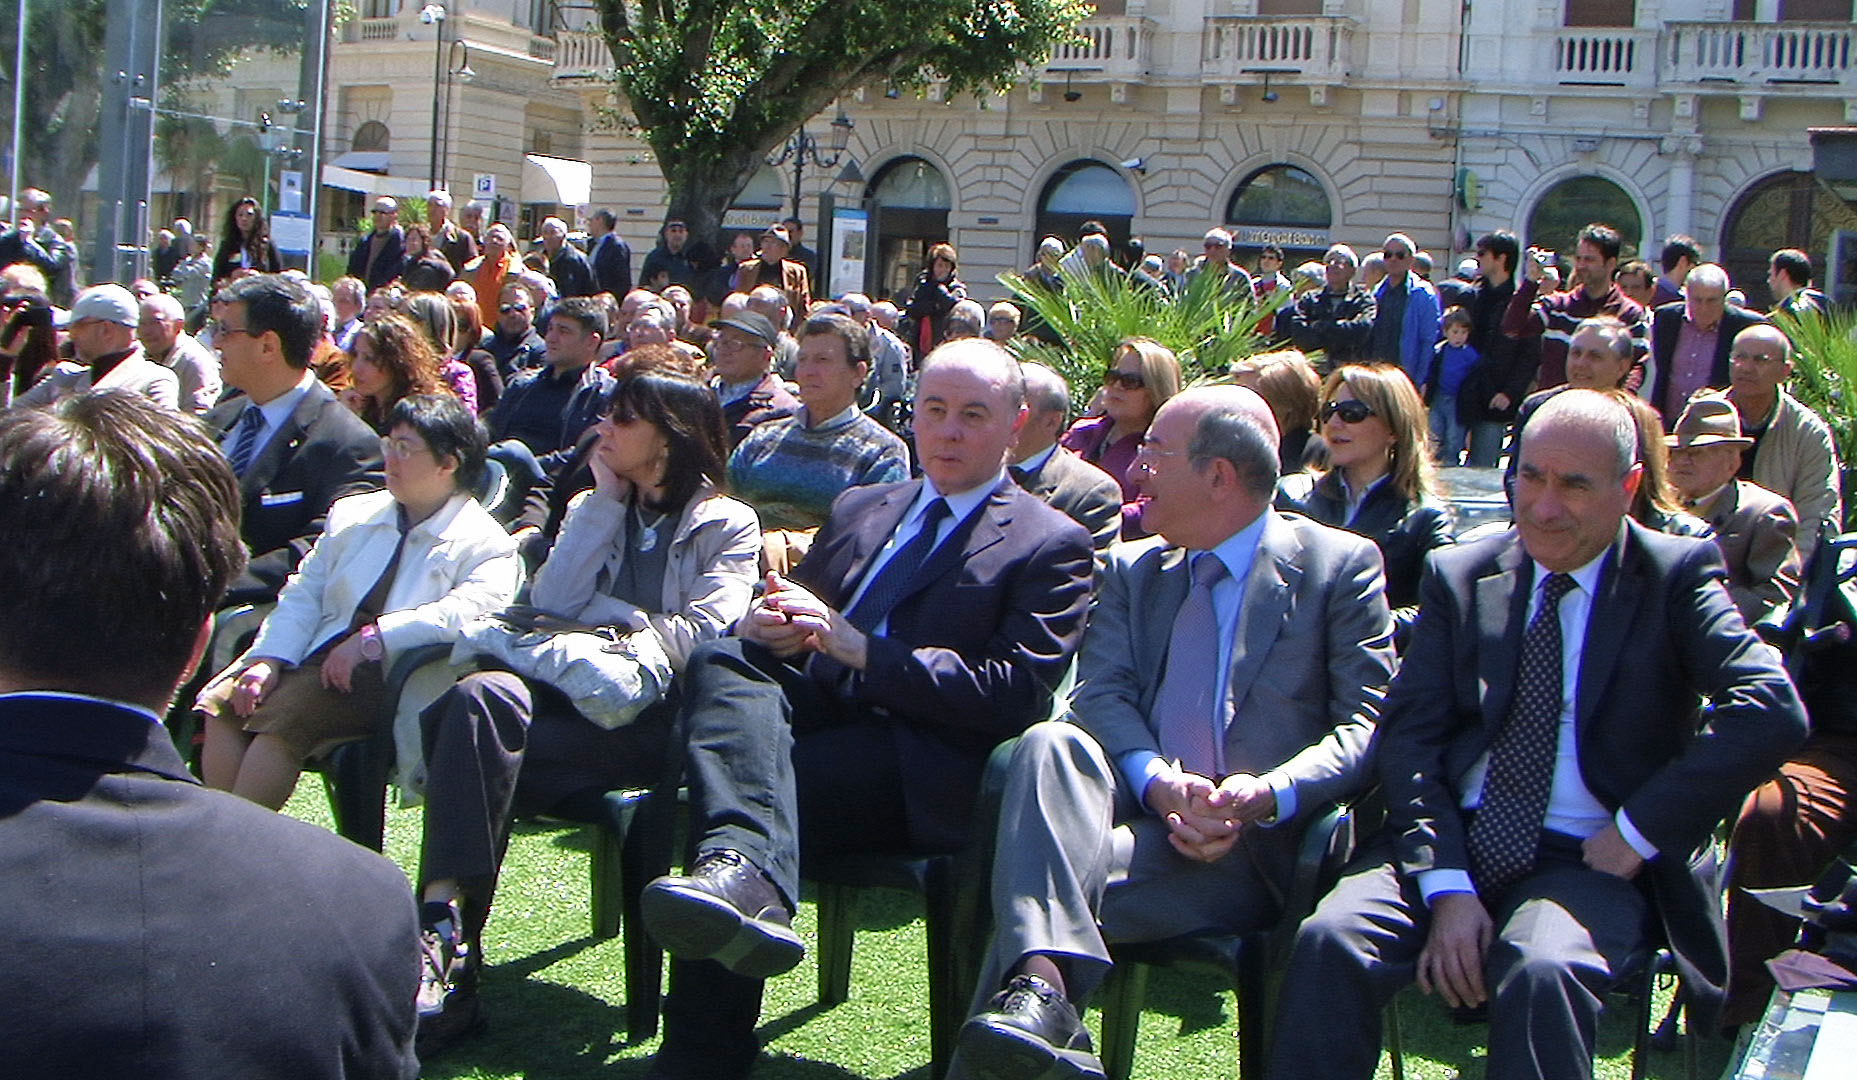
(1447, 433)
(1486, 439)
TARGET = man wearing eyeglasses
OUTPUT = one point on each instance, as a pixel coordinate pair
(294, 447)
(1217, 261)
(741, 355)
(1336, 318)
(376, 259)
(1405, 321)
(1794, 453)
(1235, 667)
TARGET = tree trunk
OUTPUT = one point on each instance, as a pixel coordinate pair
(701, 192)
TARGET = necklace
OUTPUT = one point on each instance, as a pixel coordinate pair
(647, 531)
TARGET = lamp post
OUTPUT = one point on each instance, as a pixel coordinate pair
(433, 15)
(802, 149)
(455, 71)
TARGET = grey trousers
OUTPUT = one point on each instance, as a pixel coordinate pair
(1081, 863)
(1560, 934)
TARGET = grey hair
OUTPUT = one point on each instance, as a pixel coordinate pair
(165, 306)
(1401, 239)
(1595, 416)
(1617, 334)
(1050, 245)
(981, 354)
(1709, 276)
(1095, 242)
(1228, 431)
(439, 196)
(765, 298)
(1045, 390)
(1343, 250)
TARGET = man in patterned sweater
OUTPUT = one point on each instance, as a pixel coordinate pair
(791, 469)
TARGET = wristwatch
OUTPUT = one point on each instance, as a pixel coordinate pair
(371, 646)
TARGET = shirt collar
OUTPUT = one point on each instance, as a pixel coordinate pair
(845, 416)
(279, 409)
(1586, 577)
(1035, 464)
(960, 503)
(1239, 550)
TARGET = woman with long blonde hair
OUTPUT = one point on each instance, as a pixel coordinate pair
(1379, 480)
(1141, 376)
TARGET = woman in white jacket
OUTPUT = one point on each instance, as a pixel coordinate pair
(392, 570)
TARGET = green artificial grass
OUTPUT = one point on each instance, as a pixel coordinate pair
(555, 996)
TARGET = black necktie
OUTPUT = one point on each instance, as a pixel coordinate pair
(1507, 830)
(893, 580)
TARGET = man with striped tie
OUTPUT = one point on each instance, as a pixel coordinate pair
(295, 448)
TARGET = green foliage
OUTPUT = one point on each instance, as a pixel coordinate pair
(713, 85)
(412, 212)
(1825, 370)
(1209, 327)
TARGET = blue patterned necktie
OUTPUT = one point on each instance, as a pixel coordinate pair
(894, 579)
(1191, 724)
(1507, 829)
(245, 443)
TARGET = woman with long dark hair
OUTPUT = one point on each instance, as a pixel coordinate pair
(393, 359)
(245, 243)
(661, 558)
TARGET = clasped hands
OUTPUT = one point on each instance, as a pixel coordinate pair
(1204, 817)
(789, 620)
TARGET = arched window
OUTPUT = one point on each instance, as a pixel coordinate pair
(1789, 209)
(372, 135)
(910, 201)
(1577, 202)
(1086, 191)
(1281, 205)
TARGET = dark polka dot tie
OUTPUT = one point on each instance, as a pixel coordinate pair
(1507, 829)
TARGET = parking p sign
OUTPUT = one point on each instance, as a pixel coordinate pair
(483, 186)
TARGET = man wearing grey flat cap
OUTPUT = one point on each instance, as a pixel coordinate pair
(741, 357)
(102, 329)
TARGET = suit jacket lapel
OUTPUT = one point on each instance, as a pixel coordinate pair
(1267, 590)
(989, 523)
(284, 441)
(1161, 595)
(1607, 625)
(1502, 613)
(867, 540)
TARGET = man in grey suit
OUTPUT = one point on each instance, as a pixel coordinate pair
(1172, 801)
(1551, 786)
(1086, 494)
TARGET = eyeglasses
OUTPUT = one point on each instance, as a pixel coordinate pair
(1754, 358)
(507, 308)
(1127, 380)
(400, 448)
(1396, 254)
(1350, 411)
(1146, 455)
(219, 328)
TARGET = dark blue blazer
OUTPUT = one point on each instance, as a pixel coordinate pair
(972, 654)
(157, 929)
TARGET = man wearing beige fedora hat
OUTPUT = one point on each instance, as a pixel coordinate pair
(1754, 527)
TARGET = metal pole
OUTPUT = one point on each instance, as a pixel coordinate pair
(19, 108)
(438, 70)
(799, 167)
(311, 80)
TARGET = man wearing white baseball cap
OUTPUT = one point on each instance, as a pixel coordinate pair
(102, 330)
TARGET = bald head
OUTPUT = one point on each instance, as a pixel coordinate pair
(1233, 423)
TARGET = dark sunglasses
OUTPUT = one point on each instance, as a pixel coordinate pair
(1396, 254)
(507, 308)
(1350, 411)
(1127, 380)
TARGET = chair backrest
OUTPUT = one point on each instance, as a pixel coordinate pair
(493, 492)
(1797, 627)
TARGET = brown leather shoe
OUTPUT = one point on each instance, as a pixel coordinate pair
(726, 910)
(1029, 1030)
(447, 1002)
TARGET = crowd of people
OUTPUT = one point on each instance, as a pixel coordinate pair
(818, 557)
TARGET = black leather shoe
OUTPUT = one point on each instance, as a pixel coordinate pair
(727, 911)
(447, 1002)
(1029, 1031)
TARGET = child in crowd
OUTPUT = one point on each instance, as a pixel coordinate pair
(1453, 363)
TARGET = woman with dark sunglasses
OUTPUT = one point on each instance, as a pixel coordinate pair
(1379, 480)
(1142, 375)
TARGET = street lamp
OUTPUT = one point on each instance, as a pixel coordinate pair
(456, 70)
(803, 150)
(433, 15)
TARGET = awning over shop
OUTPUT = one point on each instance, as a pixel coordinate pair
(374, 161)
(569, 181)
(368, 183)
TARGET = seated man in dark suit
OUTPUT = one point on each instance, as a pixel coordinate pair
(1085, 493)
(1227, 688)
(294, 447)
(1551, 789)
(856, 707)
(156, 929)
